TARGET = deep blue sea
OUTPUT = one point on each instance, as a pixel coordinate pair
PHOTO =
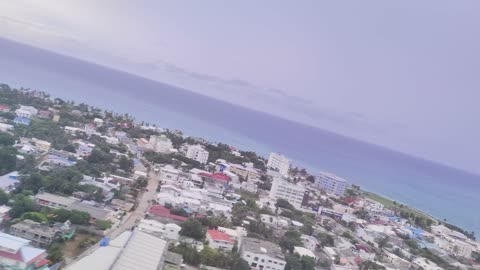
(439, 190)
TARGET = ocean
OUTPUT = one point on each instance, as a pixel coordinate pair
(439, 190)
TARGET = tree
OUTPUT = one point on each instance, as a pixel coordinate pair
(33, 182)
(382, 242)
(21, 205)
(3, 197)
(179, 212)
(307, 262)
(126, 164)
(6, 139)
(70, 148)
(141, 182)
(293, 262)
(79, 217)
(103, 224)
(282, 203)
(326, 240)
(193, 228)
(240, 264)
(35, 216)
(8, 159)
(55, 253)
(290, 239)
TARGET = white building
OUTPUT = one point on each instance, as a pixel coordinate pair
(167, 231)
(219, 240)
(291, 192)
(3, 211)
(197, 152)
(41, 145)
(279, 162)
(5, 127)
(236, 234)
(26, 111)
(301, 251)
(160, 144)
(262, 254)
(309, 242)
(331, 183)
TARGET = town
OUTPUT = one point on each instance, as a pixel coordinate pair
(83, 188)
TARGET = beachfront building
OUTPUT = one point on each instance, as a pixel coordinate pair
(197, 152)
(279, 162)
(17, 253)
(331, 183)
(219, 240)
(262, 254)
(294, 194)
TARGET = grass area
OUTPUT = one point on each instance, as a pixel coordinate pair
(71, 248)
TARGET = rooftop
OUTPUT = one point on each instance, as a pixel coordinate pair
(54, 198)
(220, 236)
(18, 249)
(216, 176)
(95, 212)
(162, 211)
(259, 246)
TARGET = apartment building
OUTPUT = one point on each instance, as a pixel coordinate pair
(197, 152)
(331, 183)
(279, 162)
(294, 194)
(41, 235)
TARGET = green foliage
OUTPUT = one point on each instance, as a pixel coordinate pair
(79, 218)
(125, 164)
(282, 203)
(6, 139)
(55, 253)
(363, 214)
(240, 264)
(63, 180)
(326, 240)
(141, 182)
(48, 131)
(470, 235)
(189, 253)
(179, 212)
(34, 216)
(193, 228)
(3, 197)
(103, 224)
(8, 159)
(290, 239)
(32, 181)
(21, 204)
(383, 242)
(70, 148)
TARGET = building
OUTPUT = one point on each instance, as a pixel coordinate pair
(219, 240)
(301, 251)
(41, 235)
(131, 250)
(53, 201)
(168, 231)
(32, 110)
(331, 183)
(22, 121)
(17, 253)
(95, 213)
(41, 145)
(4, 108)
(160, 144)
(236, 234)
(291, 192)
(243, 171)
(279, 162)
(309, 242)
(262, 255)
(197, 152)
(5, 127)
(163, 214)
(9, 181)
(4, 213)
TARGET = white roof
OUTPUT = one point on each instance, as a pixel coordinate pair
(4, 209)
(304, 252)
(12, 242)
(143, 252)
(55, 198)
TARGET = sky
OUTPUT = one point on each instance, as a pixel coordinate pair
(400, 74)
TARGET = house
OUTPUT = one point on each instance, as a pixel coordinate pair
(41, 235)
(53, 201)
(44, 114)
(17, 253)
(4, 213)
(32, 110)
(168, 231)
(162, 214)
(95, 213)
(301, 251)
(5, 127)
(4, 108)
(9, 181)
(262, 254)
(22, 121)
(309, 242)
(219, 240)
(173, 261)
(122, 205)
(41, 145)
(236, 234)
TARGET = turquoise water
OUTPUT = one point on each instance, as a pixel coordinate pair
(441, 191)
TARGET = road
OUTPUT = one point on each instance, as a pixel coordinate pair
(143, 203)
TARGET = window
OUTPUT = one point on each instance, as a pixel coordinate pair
(255, 259)
(254, 265)
(263, 260)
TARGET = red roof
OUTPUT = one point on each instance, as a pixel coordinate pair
(220, 236)
(41, 263)
(16, 257)
(216, 176)
(4, 107)
(162, 211)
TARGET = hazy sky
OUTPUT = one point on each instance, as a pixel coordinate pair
(402, 74)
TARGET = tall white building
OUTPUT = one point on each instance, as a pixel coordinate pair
(291, 192)
(279, 162)
(160, 144)
(197, 152)
(331, 183)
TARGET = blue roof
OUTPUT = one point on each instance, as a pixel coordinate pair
(22, 120)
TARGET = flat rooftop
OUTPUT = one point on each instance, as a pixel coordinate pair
(262, 247)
